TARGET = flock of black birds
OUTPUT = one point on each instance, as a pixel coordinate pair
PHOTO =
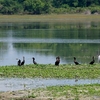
(91, 62)
(19, 63)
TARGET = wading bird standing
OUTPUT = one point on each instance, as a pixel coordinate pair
(23, 62)
(92, 62)
(57, 61)
(34, 60)
(19, 62)
(76, 63)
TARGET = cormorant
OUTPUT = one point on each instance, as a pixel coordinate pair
(34, 60)
(23, 62)
(92, 62)
(57, 61)
(19, 62)
(76, 63)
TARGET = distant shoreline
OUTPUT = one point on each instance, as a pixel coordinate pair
(49, 18)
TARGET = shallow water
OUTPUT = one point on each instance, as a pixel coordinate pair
(13, 84)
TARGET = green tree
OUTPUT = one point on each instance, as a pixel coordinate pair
(57, 3)
(47, 6)
(82, 3)
(73, 3)
(10, 7)
(33, 6)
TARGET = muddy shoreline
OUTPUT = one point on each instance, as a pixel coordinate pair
(23, 95)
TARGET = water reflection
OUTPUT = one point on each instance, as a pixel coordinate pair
(39, 40)
(13, 84)
(46, 40)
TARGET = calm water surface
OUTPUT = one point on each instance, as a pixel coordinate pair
(13, 84)
(45, 41)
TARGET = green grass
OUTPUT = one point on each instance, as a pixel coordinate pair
(67, 92)
(77, 90)
(51, 71)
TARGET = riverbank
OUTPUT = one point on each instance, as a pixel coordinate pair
(77, 92)
(49, 18)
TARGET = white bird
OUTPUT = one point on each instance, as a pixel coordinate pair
(99, 58)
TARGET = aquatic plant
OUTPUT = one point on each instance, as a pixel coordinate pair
(31, 96)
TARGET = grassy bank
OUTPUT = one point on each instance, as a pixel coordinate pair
(77, 92)
(49, 18)
(51, 71)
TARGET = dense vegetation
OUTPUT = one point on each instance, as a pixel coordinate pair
(48, 6)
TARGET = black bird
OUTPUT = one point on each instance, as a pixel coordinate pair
(57, 61)
(92, 62)
(76, 63)
(23, 62)
(19, 62)
(34, 60)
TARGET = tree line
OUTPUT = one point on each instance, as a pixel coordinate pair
(48, 6)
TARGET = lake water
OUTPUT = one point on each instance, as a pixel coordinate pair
(46, 40)
(13, 84)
